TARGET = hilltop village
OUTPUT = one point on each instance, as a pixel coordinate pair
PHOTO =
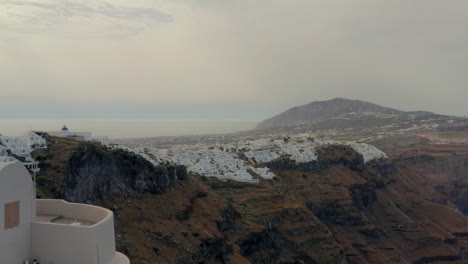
(243, 156)
(22, 148)
(242, 160)
(239, 159)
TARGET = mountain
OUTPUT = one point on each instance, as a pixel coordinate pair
(324, 110)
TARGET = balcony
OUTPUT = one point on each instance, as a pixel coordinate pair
(74, 234)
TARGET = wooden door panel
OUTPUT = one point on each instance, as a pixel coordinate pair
(11, 215)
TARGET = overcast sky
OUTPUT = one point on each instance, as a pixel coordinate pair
(234, 59)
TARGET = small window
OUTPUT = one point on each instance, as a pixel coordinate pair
(11, 215)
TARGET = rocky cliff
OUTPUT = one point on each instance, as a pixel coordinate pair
(87, 172)
(336, 210)
(95, 173)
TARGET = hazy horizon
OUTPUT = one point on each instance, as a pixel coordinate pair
(241, 60)
(127, 128)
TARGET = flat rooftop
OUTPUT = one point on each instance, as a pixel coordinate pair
(60, 219)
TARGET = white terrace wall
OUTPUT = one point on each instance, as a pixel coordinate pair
(16, 186)
(60, 243)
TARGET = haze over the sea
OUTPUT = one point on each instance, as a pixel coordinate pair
(220, 59)
(127, 128)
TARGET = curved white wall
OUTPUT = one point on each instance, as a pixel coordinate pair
(52, 243)
(61, 243)
(16, 185)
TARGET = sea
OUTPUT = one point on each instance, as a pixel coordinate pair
(128, 128)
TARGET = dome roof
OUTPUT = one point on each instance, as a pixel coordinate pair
(64, 128)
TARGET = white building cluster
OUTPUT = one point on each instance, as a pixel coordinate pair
(4, 156)
(300, 148)
(243, 159)
(19, 149)
(367, 151)
(206, 161)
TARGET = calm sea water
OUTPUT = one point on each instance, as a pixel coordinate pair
(126, 128)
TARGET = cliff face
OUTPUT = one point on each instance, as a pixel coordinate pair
(339, 214)
(94, 173)
(336, 210)
(327, 157)
(85, 172)
(447, 175)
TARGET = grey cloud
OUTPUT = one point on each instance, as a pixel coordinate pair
(102, 8)
(30, 4)
(41, 15)
(250, 58)
(132, 13)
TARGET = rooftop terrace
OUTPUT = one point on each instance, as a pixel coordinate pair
(86, 230)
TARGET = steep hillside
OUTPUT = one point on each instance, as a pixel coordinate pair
(85, 172)
(334, 210)
(323, 110)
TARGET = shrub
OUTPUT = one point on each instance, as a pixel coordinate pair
(41, 180)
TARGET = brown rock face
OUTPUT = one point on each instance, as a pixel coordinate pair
(94, 173)
(85, 172)
(327, 213)
(338, 210)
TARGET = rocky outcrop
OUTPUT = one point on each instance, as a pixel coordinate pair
(229, 217)
(211, 250)
(457, 126)
(363, 195)
(437, 259)
(386, 168)
(332, 212)
(93, 173)
(463, 253)
(328, 156)
(266, 247)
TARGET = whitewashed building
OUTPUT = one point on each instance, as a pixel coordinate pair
(51, 231)
(17, 145)
(35, 141)
(4, 156)
(82, 136)
(65, 132)
(19, 149)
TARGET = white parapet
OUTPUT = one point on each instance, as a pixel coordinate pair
(74, 234)
(15, 188)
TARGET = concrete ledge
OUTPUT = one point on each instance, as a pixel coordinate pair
(85, 212)
(74, 244)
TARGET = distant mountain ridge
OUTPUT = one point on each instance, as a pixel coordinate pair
(323, 110)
